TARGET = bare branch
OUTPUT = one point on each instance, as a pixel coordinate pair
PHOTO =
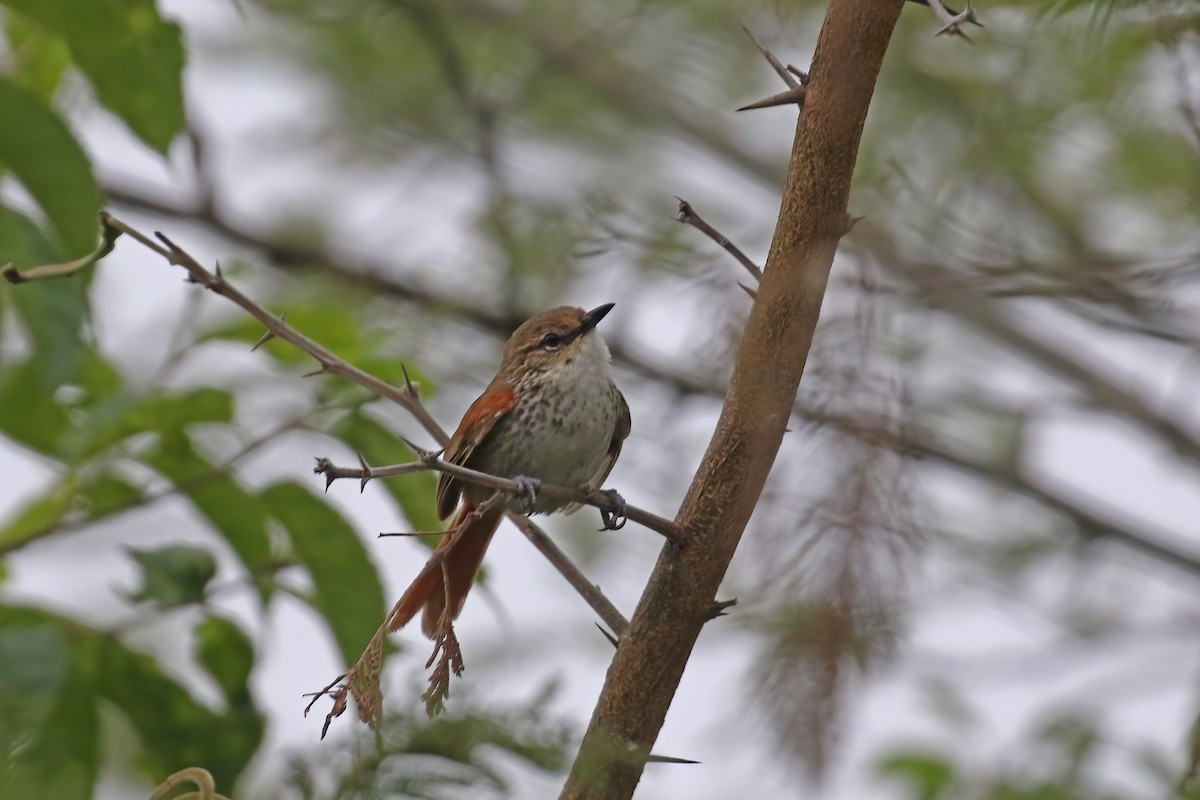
(688, 216)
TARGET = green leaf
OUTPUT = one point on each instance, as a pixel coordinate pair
(175, 730)
(414, 494)
(228, 655)
(175, 575)
(28, 413)
(133, 58)
(52, 311)
(53, 670)
(334, 327)
(346, 587)
(48, 742)
(39, 515)
(121, 416)
(928, 775)
(38, 57)
(97, 495)
(107, 493)
(236, 514)
(41, 152)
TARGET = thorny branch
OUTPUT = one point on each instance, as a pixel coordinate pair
(407, 397)
(951, 20)
(431, 462)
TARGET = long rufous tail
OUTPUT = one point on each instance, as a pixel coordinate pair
(460, 565)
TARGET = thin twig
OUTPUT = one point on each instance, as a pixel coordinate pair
(329, 363)
(796, 81)
(107, 242)
(793, 77)
(688, 216)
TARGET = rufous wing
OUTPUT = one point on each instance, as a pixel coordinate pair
(496, 401)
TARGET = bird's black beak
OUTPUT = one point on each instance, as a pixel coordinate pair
(591, 318)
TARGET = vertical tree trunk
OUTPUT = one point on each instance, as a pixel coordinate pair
(650, 660)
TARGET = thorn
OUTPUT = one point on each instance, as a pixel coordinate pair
(653, 759)
(219, 275)
(428, 456)
(775, 63)
(324, 369)
(611, 639)
(366, 473)
(408, 384)
(323, 468)
(968, 15)
(790, 97)
(753, 294)
(269, 335)
(266, 337)
(849, 224)
(718, 609)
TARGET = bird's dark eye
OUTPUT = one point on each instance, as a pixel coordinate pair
(552, 341)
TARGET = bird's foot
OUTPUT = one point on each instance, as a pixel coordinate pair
(527, 492)
(613, 520)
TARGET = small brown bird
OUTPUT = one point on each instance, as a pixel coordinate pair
(552, 414)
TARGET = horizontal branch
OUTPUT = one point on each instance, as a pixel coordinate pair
(430, 461)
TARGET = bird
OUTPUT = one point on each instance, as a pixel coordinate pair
(551, 414)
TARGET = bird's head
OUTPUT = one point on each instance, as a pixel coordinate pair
(555, 339)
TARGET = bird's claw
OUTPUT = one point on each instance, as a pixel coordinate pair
(527, 492)
(613, 520)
